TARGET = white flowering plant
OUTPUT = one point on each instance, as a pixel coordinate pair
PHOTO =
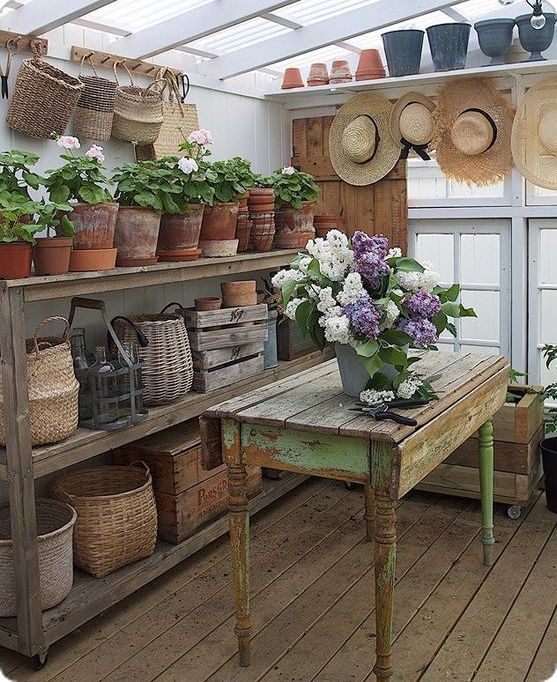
(292, 187)
(361, 293)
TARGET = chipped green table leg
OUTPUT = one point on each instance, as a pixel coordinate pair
(486, 489)
(369, 515)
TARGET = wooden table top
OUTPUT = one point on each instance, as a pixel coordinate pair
(313, 400)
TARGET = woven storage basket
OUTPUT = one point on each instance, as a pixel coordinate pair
(95, 109)
(55, 522)
(116, 515)
(138, 113)
(52, 388)
(167, 360)
(44, 99)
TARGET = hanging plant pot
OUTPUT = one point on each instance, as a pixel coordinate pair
(136, 236)
(94, 225)
(219, 222)
(403, 50)
(449, 45)
(15, 260)
(179, 234)
(51, 255)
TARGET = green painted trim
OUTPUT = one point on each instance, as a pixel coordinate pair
(485, 438)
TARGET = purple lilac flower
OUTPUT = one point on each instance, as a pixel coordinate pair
(364, 317)
(369, 256)
(423, 304)
(419, 330)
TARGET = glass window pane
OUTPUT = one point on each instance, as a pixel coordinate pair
(479, 259)
(438, 250)
(457, 190)
(485, 327)
(548, 330)
(481, 350)
(548, 262)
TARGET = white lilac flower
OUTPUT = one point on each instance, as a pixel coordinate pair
(352, 290)
(326, 300)
(370, 396)
(68, 142)
(392, 312)
(187, 165)
(337, 329)
(284, 276)
(337, 239)
(292, 306)
(288, 170)
(395, 252)
(414, 281)
(332, 312)
(408, 387)
(303, 265)
(95, 152)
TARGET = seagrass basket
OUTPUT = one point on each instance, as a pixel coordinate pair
(95, 109)
(53, 389)
(55, 523)
(167, 360)
(116, 515)
(44, 99)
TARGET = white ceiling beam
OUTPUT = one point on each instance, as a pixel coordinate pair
(371, 17)
(276, 19)
(192, 25)
(453, 14)
(349, 47)
(40, 16)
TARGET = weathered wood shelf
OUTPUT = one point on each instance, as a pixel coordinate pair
(90, 596)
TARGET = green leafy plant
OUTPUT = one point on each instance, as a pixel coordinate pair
(16, 175)
(226, 178)
(247, 177)
(190, 176)
(52, 218)
(292, 187)
(549, 352)
(16, 224)
(150, 184)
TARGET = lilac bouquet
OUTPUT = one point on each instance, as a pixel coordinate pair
(363, 294)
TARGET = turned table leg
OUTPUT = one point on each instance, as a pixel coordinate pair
(385, 564)
(369, 514)
(486, 489)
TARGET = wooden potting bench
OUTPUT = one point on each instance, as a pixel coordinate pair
(304, 424)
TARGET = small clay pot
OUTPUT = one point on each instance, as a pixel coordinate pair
(91, 260)
(219, 222)
(235, 294)
(323, 224)
(15, 260)
(318, 74)
(137, 235)
(262, 236)
(294, 240)
(208, 303)
(243, 202)
(179, 233)
(219, 248)
(94, 225)
(51, 255)
(292, 79)
(370, 66)
(340, 72)
(243, 231)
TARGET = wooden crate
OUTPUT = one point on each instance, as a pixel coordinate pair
(518, 423)
(227, 345)
(291, 342)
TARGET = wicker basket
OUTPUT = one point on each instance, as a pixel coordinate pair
(44, 99)
(55, 522)
(116, 515)
(52, 386)
(179, 119)
(138, 112)
(167, 360)
(95, 109)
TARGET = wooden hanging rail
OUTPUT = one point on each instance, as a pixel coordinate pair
(23, 43)
(107, 61)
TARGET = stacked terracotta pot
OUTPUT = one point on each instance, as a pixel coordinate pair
(340, 72)
(295, 226)
(136, 236)
(318, 74)
(370, 66)
(261, 204)
(218, 230)
(243, 225)
(94, 239)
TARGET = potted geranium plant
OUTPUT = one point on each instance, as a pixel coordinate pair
(52, 252)
(16, 175)
(81, 181)
(371, 304)
(144, 190)
(17, 236)
(295, 197)
(181, 228)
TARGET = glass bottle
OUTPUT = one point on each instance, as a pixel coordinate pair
(131, 350)
(81, 365)
(104, 379)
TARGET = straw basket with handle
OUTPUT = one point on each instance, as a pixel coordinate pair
(95, 109)
(52, 388)
(138, 112)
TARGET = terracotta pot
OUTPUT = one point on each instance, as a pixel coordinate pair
(324, 223)
(296, 219)
(181, 256)
(340, 72)
(219, 248)
(179, 232)
(262, 236)
(94, 225)
(51, 255)
(260, 191)
(318, 74)
(219, 222)
(244, 201)
(370, 65)
(91, 260)
(15, 260)
(208, 303)
(293, 240)
(240, 293)
(136, 236)
(243, 231)
(292, 79)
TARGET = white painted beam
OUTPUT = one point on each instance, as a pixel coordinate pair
(191, 25)
(453, 14)
(372, 17)
(39, 16)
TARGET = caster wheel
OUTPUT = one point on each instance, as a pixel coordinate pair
(349, 485)
(39, 661)
(514, 512)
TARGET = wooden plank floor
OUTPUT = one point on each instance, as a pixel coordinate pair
(313, 602)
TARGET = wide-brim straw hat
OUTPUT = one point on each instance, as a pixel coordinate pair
(473, 123)
(361, 146)
(534, 134)
(412, 120)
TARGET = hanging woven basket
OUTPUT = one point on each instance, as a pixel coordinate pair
(95, 109)
(44, 99)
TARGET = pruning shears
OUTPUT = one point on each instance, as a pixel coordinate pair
(382, 411)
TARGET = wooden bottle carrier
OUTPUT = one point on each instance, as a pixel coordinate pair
(187, 496)
(227, 344)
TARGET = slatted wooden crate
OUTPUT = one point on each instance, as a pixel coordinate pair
(291, 342)
(227, 345)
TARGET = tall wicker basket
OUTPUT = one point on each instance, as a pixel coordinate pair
(95, 109)
(116, 515)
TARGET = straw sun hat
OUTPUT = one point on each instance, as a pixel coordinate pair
(534, 134)
(472, 136)
(361, 146)
(412, 123)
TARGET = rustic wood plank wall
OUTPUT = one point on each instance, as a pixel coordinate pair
(380, 208)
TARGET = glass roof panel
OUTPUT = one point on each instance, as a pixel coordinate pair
(309, 11)
(244, 34)
(325, 54)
